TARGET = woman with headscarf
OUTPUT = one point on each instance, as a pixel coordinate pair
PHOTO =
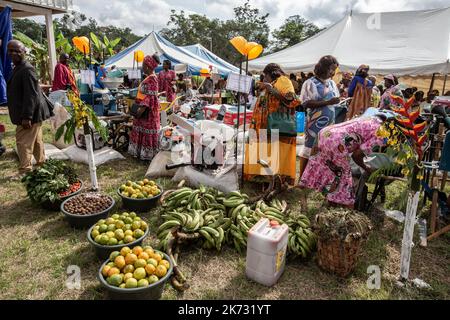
(361, 91)
(320, 95)
(278, 95)
(392, 89)
(144, 138)
(167, 79)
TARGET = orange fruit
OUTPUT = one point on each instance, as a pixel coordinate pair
(131, 283)
(152, 262)
(128, 269)
(131, 258)
(105, 270)
(151, 269)
(120, 262)
(139, 274)
(161, 271)
(153, 279)
(149, 251)
(157, 256)
(113, 271)
(140, 263)
(138, 250)
(127, 276)
(165, 263)
(144, 255)
(125, 251)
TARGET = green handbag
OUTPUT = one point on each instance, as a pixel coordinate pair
(283, 121)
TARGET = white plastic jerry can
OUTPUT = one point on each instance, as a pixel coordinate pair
(266, 252)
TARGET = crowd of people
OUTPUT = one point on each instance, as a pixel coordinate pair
(335, 132)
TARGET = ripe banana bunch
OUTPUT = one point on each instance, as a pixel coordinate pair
(302, 240)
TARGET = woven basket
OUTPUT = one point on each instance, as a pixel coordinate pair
(338, 256)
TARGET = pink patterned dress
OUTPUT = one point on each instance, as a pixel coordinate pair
(165, 79)
(144, 138)
(329, 171)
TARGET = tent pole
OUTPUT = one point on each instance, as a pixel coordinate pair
(245, 123)
(238, 115)
(432, 82)
(445, 84)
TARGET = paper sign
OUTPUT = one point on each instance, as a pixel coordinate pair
(88, 77)
(134, 74)
(239, 83)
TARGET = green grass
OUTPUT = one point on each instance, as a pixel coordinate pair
(37, 247)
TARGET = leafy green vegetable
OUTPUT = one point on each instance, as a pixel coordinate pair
(45, 183)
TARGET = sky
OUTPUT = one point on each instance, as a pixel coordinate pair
(144, 16)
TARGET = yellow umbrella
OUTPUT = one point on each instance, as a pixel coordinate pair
(82, 44)
(139, 56)
(255, 51)
(239, 43)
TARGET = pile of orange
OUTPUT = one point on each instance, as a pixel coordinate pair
(135, 268)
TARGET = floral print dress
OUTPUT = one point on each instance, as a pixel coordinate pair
(330, 171)
(144, 138)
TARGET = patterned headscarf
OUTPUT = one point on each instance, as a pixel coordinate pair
(347, 76)
(361, 69)
(150, 62)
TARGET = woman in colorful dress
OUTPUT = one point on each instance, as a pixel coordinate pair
(277, 95)
(167, 80)
(361, 91)
(391, 85)
(330, 171)
(144, 138)
(320, 95)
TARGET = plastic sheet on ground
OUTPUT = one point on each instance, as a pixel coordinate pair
(157, 167)
(225, 180)
(60, 117)
(51, 152)
(101, 156)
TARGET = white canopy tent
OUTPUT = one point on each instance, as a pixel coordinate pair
(154, 43)
(403, 43)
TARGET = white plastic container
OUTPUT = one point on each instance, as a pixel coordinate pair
(266, 252)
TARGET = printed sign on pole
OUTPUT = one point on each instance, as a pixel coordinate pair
(239, 83)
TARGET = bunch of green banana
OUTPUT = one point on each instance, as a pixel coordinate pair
(199, 222)
(302, 240)
(234, 199)
(198, 199)
(279, 205)
(243, 218)
(277, 211)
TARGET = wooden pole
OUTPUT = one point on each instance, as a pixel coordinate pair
(445, 84)
(408, 234)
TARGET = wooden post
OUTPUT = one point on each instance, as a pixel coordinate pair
(434, 184)
(407, 243)
(51, 44)
(91, 158)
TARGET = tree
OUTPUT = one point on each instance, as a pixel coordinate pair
(191, 29)
(294, 30)
(30, 28)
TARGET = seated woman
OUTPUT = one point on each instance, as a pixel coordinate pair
(329, 171)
